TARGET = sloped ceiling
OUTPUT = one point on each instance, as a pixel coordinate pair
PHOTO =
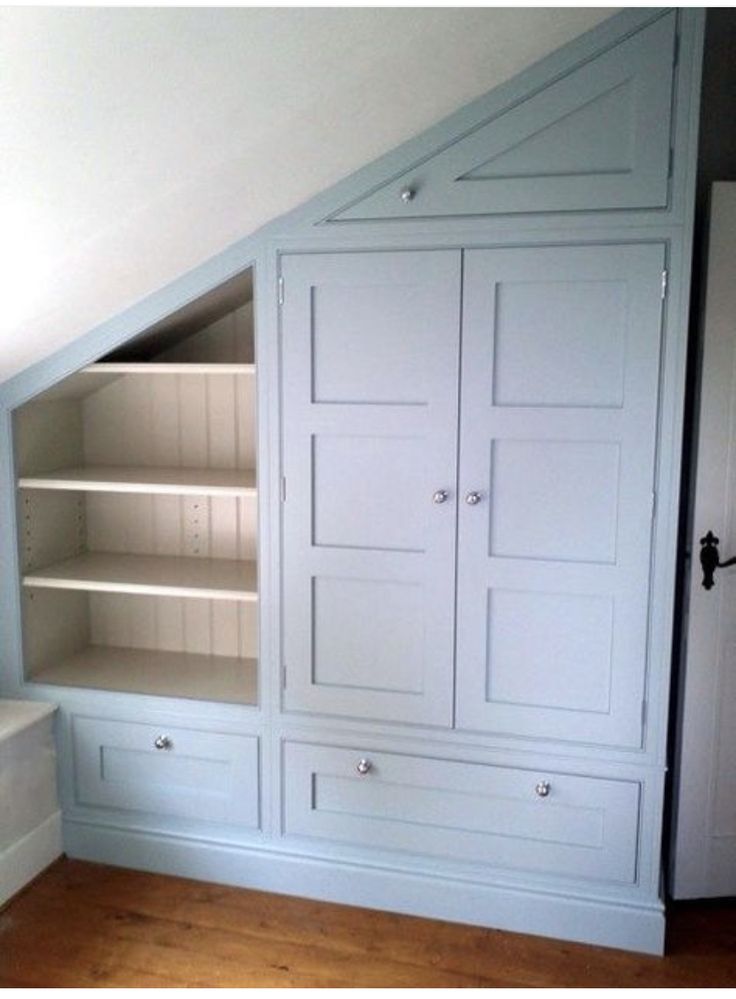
(137, 143)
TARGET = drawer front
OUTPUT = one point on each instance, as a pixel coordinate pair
(195, 775)
(583, 827)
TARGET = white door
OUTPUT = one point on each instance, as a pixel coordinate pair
(705, 797)
(561, 354)
(370, 347)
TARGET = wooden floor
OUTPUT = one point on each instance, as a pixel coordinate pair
(82, 924)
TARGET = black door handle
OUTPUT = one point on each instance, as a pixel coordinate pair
(710, 559)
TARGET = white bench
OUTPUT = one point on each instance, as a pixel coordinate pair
(30, 820)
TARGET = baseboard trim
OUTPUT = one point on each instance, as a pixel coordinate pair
(25, 859)
(606, 923)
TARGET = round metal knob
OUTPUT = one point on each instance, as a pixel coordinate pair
(542, 788)
(407, 194)
(363, 767)
(440, 496)
(472, 499)
(163, 742)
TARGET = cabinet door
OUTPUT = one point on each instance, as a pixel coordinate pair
(560, 385)
(370, 348)
(595, 138)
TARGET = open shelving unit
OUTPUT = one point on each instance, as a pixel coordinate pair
(137, 498)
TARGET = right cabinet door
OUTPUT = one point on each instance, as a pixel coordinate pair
(560, 377)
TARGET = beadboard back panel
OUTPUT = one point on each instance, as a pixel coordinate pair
(204, 526)
(229, 340)
(171, 624)
(60, 621)
(47, 436)
(186, 421)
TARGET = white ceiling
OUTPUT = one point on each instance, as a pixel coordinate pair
(138, 142)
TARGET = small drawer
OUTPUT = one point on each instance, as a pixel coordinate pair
(534, 820)
(167, 771)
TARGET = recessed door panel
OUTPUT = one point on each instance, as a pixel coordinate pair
(357, 356)
(381, 650)
(370, 393)
(554, 500)
(554, 552)
(559, 343)
(529, 631)
(348, 469)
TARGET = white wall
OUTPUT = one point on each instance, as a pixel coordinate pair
(136, 143)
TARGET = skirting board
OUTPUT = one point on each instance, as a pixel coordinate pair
(21, 862)
(634, 928)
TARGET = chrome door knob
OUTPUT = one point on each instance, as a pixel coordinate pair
(363, 767)
(440, 496)
(163, 742)
(542, 788)
(472, 499)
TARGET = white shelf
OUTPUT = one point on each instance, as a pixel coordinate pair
(155, 575)
(95, 376)
(166, 368)
(169, 674)
(148, 479)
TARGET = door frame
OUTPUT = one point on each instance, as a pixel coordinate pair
(695, 722)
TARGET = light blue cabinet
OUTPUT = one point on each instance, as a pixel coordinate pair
(448, 692)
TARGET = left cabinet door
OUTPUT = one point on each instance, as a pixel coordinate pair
(370, 355)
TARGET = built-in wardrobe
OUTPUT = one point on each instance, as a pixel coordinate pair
(349, 557)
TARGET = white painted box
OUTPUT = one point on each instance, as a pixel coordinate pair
(29, 811)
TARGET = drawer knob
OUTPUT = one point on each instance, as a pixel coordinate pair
(163, 742)
(407, 194)
(542, 788)
(440, 496)
(473, 499)
(363, 767)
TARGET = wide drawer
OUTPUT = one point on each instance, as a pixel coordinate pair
(534, 820)
(167, 771)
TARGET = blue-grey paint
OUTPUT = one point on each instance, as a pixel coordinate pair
(626, 909)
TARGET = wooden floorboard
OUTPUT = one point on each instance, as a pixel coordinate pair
(83, 924)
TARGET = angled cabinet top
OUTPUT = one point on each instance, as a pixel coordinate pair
(594, 138)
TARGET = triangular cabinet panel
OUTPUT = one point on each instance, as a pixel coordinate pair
(595, 138)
